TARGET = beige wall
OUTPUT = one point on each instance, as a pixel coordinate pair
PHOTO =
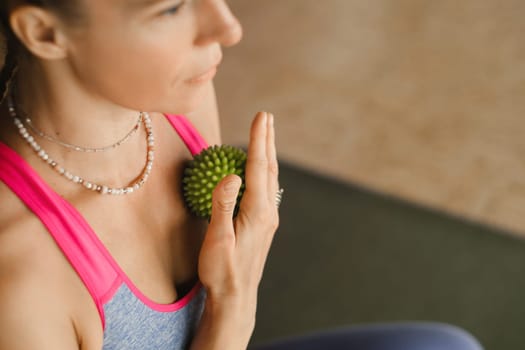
(421, 99)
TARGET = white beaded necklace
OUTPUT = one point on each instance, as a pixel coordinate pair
(102, 189)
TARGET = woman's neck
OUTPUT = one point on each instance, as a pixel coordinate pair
(68, 112)
(65, 109)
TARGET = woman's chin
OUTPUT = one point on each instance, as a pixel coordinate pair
(180, 110)
(189, 106)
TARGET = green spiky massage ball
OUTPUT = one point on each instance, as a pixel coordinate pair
(205, 171)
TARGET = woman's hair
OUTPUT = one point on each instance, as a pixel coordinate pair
(12, 46)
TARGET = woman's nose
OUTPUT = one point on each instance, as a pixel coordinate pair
(217, 24)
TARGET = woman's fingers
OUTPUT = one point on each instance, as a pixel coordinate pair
(235, 250)
(224, 198)
(273, 166)
(257, 164)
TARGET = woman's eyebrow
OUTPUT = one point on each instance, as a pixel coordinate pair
(141, 3)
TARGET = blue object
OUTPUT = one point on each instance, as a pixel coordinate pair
(395, 336)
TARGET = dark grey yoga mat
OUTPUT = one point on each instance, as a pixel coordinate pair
(344, 255)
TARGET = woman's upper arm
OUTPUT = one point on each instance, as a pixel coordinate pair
(31, 318)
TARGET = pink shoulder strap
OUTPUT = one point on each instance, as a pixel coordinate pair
(187, 133)
(85, 252)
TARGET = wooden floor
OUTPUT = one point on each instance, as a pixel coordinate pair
(419, 99)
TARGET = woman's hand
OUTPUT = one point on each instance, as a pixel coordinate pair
(234, 251)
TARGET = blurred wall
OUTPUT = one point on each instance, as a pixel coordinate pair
(418, 99)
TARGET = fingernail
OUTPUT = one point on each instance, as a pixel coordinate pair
(265, 117)
(231, 187)
(271, 119)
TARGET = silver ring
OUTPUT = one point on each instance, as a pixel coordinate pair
(279, 197)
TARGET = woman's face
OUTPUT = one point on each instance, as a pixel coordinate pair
(153, 55)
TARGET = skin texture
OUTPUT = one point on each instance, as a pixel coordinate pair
(84, 83)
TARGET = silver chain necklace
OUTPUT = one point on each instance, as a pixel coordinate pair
(50, 138)
(90, 185)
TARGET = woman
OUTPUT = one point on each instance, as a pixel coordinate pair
(97, 250)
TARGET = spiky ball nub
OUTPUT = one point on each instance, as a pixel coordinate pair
(205, 171)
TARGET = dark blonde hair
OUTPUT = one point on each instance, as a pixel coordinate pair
(13, 49)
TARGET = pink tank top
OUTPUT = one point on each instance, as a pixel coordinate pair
(129, 318)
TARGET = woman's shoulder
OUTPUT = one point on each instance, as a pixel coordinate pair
(21, 243)
(14, 218)
(15, 222)
(31, 274)
(28, 257)
(25, 244)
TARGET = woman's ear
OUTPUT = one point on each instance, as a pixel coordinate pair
(39, 31)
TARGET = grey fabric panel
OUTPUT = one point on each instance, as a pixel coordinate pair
(130, 324)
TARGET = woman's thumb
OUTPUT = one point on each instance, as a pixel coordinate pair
(224, 199)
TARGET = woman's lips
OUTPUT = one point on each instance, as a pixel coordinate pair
(204, 77)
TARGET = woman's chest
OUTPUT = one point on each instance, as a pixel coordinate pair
(159, 264)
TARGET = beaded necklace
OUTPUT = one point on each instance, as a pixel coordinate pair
(90, 185)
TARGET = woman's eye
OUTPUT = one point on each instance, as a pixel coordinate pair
(172, 10)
